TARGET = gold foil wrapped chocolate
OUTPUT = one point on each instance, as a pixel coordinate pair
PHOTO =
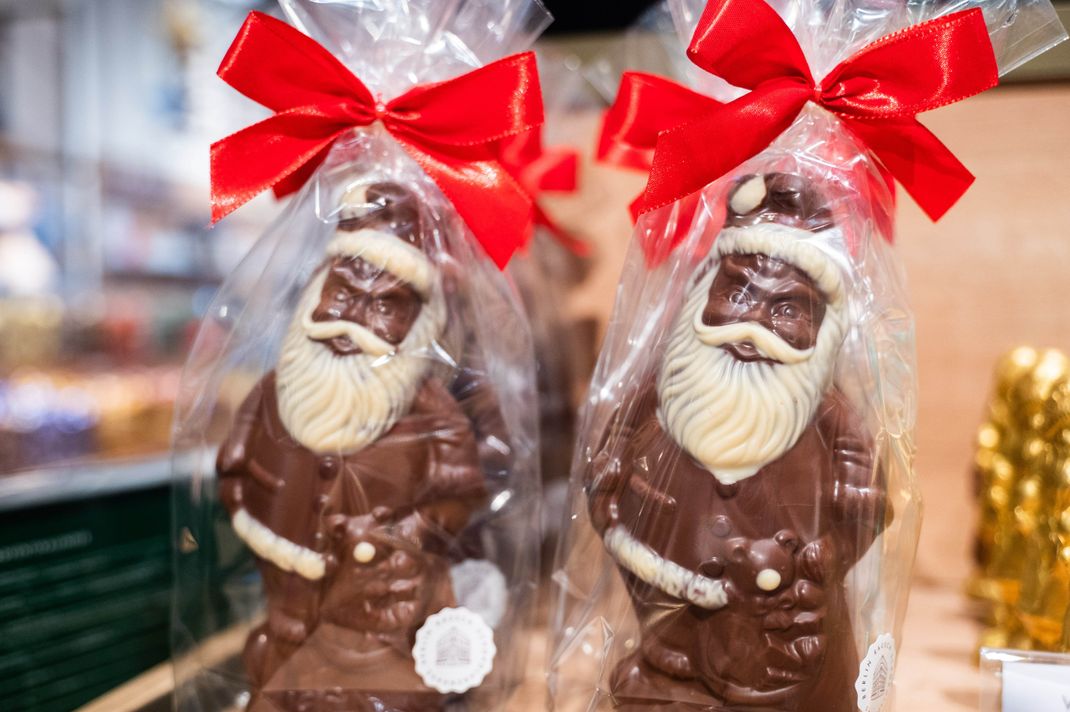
(1022, 474)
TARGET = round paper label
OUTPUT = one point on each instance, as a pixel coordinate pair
(874, 683)
(454, 650)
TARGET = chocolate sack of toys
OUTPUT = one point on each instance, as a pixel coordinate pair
(745, 504)
(359, 529)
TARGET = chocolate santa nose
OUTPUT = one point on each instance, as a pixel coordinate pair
(364, 552)
(768, 579)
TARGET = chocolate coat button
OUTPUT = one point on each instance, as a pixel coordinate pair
(328, 467)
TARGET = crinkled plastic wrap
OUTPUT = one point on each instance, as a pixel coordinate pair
(745, 505)
(359, 529)
(564, 354)
(547, 272)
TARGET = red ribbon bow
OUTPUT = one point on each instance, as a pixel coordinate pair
(540, 169)
(877, 93)
(452, 129)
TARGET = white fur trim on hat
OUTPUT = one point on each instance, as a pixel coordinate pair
(388, 252)
(790, 244)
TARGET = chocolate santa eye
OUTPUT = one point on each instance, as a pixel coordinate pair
(739, 297)
(386, 306)
(788, 310)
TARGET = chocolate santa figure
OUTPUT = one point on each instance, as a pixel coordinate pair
(349, 471)
(738, 494)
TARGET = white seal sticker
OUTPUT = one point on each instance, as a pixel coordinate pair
(454, 650)
(874, 683)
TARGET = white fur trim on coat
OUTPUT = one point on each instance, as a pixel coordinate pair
(388, 252)
(792, 245)
(285, 554)
(664, 575)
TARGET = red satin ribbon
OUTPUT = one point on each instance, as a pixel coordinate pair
(451, 128)
(540, 169)
(689, 140)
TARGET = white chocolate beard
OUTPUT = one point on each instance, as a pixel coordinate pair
(735, 417)
(341, 404)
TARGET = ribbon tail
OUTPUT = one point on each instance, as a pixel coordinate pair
(556, 170)
(264, 155)
(496, 209)
(296, 180)
(666, 229)
(923, 165)
(567, 240)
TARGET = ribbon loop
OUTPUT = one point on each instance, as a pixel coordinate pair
(276, 66)
(449, 128)
(746, 44)
(919, 69)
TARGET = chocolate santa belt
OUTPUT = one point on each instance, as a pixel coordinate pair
(654, 569)
(284, 553)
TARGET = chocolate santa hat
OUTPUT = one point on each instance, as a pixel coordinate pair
(380, 224)
(779, 215)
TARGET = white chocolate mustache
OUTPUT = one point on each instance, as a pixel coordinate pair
(768, 344)
(368, 342)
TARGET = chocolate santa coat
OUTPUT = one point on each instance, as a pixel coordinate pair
(422, 475)
(823, 499)
(426, 462)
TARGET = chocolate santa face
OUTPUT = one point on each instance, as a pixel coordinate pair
(758, 335)
(359, 293)
(355, 354)
(769, 293)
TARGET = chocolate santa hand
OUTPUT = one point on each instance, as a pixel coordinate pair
(286, 628)
(800, 609)
(795, 628)
(231, 460)
(606, 481)
(230, 494)
(862, 507)
(414, 529)
(795, 660)
(380, 583)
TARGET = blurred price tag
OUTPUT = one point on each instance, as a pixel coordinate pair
(1035, 687)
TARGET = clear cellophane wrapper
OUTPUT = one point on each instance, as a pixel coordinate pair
(547, 273)
(333, 490)
(745, 509)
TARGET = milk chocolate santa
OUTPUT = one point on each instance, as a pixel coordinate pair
(350, 469)
(735, 498)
